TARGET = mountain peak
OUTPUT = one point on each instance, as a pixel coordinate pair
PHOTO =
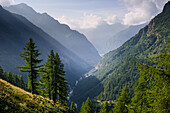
(23, 6)
(167, 7)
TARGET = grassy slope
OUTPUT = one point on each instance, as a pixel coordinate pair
(14, 99)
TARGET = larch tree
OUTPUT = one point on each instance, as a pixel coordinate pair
(87, 107)
(59, 83)
(1, 72)
(46, 77)
(82, 108)
(121, 105)
(140, 101)
(53, 82)
(30, 56)
(105, 108)
(73, 108)
(22, 82)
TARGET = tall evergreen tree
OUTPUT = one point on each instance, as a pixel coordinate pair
(10, 77)
(82, 110)
(16, 80)
(122, 102)
(105, 108)
(73, 108)
(53, 79)
(22, 82)
(59, 83)
(46, 78)
(140, 101)
(30, 56)
(5, 76)
(1, 72)
(87, 107)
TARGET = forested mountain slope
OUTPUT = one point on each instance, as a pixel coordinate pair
(15, 32)
(119, 67)
(71, 39)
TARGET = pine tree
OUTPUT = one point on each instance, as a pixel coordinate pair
(59, 83)
(82, 110)
(22, 82)
(30, 56)
(87, 107)
(62, 83)
(105, 108)
(5, 76)
(140, 101)
(1, 72)
(73, 108)
(46, 78)
(16, 80)
(53, 80)
(10, 77)
(122, 102)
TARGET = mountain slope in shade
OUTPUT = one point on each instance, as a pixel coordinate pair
(119, 38)
(15, 32)
(119, 67)
(100, 35)
(71, 39)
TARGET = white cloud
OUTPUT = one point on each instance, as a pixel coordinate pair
(6, 2)
(141, 11)
(88, 21)
(112, 19)
(85, 22)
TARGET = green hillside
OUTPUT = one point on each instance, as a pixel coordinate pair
(119, 67)
(15, 100)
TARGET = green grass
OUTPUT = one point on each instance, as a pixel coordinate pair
(15, 100)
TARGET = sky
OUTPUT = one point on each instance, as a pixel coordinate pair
(85, 14)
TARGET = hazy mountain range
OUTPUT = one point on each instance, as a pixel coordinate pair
(101, 34)
(107, 37)
(71, 39)
(15, 31)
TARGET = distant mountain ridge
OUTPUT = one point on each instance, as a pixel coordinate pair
(71, 39)
(119, 38)
(119, 67)
(15, 31)
(100, 35)
(107, 37)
